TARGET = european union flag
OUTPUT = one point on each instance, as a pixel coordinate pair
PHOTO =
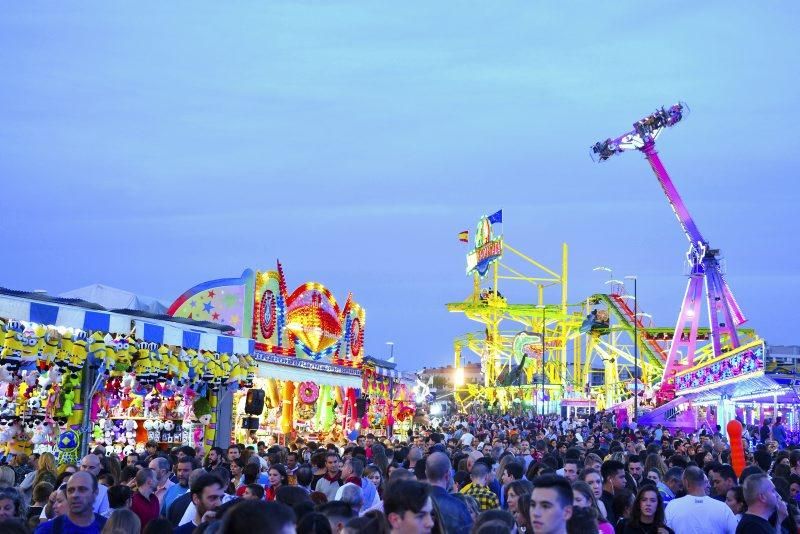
(496, 217)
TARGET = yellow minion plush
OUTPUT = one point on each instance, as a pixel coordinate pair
(52, 341)
(12, 345)
(78, 356)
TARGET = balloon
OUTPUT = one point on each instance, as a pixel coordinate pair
(734, 428)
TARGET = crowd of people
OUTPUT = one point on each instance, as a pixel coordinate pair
(472, 474)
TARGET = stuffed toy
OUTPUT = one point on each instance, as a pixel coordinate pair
(47, 356)
(140, 448)
(11, 353)
(77, 357)
(30, 345)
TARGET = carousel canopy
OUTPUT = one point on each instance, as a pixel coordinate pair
(112, 298)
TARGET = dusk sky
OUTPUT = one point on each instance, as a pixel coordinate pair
(151, 147)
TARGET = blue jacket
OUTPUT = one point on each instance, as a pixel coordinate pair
(454, 512)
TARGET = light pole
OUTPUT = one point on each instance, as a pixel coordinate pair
(635, 350)
(541, 367)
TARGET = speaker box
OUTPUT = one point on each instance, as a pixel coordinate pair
(254, 404)
(250, 423)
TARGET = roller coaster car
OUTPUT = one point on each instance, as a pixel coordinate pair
(597, 320)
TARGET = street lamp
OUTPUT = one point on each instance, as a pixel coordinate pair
(541, 367)
(635, 350)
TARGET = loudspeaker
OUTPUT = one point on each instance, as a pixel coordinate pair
(361, 407)
(254, 404)
(250, 423)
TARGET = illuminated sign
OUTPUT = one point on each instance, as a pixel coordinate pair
(488, 248)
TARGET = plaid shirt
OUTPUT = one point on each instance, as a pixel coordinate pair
(487, 500)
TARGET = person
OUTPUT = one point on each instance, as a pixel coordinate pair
(11, 504)
(571, 469)
(182, 471)
(779, 433)
(39, 497)
(277, 478)
(697, 513)
(80, 517)
(329, 482)
(314, 523)
(162, 468)
(213, 458)
(593, 478)
(479, 489)
(337, 513)
(635, 469)
(762, 501)
(613, 473)
(722, 479)
(122, 521)
(551, 505)
(408, 507)
(45, 472)
(206, 492)
(372, 522)
(735, 501)
(181, 504)
(237, 475)
(91, 464)
(583, 497)
(253, 491)
(234, 453)
(160, 525)
(373, 474)
(258, 517)
(764, 432)
(144, 502)
(455, 514)
(673, 484)
(119, 496)
(56, 504)
(647, 515)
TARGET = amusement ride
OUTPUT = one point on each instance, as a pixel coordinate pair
(605, 352)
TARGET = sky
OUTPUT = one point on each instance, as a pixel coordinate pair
(153, 146)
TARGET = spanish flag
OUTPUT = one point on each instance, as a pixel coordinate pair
(464, 236)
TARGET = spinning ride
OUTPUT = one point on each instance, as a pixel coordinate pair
(685, 357)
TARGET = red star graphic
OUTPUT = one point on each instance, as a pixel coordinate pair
(211, 294)
(215, 316)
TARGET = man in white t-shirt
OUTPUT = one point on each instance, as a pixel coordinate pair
(697, 513)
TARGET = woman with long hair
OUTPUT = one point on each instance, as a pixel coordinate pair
(595, 481)
(380, 460)
(249, 476)
(647, 514)
(122, 521)
(373, 473)
(583, 497)
(45, 472)
(654, 461)
(237, 475)
(277, 478)
(523, 516)
(734, 498)
(514, 491)
(56, 503)
(12, 505)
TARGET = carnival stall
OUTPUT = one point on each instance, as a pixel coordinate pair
(390, 405)
(309, 353)
(70, 368)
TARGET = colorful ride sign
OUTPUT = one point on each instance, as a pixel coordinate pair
(488, 248)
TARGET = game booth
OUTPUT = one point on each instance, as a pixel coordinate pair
(389, 400)
(75, 375)
(308, 354)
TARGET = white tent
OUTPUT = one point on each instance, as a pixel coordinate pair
(112, 298)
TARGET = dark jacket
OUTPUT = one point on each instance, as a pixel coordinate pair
(454, 513)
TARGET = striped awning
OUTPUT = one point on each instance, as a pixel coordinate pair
(152, 330)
